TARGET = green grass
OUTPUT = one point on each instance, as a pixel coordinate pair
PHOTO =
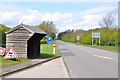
(112, 48)
(8, 62)
(47, 50)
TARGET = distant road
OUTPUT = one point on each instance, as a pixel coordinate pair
(87, 62)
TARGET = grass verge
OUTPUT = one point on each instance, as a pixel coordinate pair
(47, 50)
(112, 48)
(8, 62)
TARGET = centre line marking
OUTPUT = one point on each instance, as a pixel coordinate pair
(103, 57)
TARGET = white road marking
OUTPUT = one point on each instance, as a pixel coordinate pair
(64, 51)
(89, 52)
(103, 57)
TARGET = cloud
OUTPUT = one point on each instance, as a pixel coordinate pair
(57, 17)
(87, 19)
(9, 18)
(33, 17)
(89, 22)
(97, 10)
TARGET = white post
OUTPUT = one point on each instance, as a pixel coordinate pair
(53, 48)
(92, 41)
(99, 41)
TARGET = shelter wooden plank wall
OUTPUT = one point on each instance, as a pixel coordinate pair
(18, 41)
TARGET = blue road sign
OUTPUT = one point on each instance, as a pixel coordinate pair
(49, 39)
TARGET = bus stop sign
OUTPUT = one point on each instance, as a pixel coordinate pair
(49, 39)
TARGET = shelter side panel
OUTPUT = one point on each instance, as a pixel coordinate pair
(18, 41)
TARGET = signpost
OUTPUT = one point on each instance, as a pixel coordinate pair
(10, 54)
(78, 38)
(2, 51)
(54, 48)
(49, 39)
(95, 35)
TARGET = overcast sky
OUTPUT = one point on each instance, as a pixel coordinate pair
(65, 15)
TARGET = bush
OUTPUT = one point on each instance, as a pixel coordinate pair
(109, 36)
(43, 41)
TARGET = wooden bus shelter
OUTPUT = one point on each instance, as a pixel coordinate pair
(25, 40)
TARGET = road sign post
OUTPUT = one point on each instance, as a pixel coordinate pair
(99, 41)
(78, 38)
(54, 48)
(92, 41)
(95, 35)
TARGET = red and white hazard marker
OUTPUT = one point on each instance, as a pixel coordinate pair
(2, 51)
(10, 54)
(54, 48)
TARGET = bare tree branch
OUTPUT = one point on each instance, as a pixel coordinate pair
(107, 21)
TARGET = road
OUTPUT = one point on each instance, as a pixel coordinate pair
(87, 62)
(51, 69)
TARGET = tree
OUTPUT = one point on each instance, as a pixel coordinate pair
(60, 35)
(49, 28)
(109, 36)
(3, 29)
(52, 35)
(107, 21)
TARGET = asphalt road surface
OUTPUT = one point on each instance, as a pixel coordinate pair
(87, 62)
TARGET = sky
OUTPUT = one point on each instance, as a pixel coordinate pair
(65, 15)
